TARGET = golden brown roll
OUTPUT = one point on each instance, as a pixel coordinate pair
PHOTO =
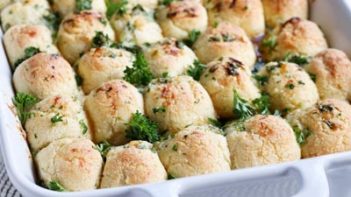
(277, 12)
(136, 27)
(55, 118)
(20, 37)
(45, 75)
(295, 36)
(221, 78)
(262, 140)
(100, 65)
(69, 6)
(195, 150)
(74, 163)
(30, 12)
(289, 86)
(110, 107)
(169, 57)
(326, 126)
(133, 163)
(248, 14)
(225, 40)
(77, 31)
(331, 69)
(179, 18)
(178, 102)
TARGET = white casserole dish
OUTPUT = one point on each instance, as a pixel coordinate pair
(309, 177)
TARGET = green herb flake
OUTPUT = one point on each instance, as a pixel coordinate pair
(100, 39)
(57, 118)
(192, 37)
(119, 8)
(262, 80)
(270, 42)
(313, 77)
(103, 148)
(301, 134)
(215, 122)
(170, 177)
(139, 74)
(55, 186)
(23, 103)
(167, 2)
(141, 128)
(79, 80)
(159, 109)
(242, 108)
(52, 20)
(83, 5)
(290, 86)
(297, 59)
(175, 147)
(262, 104)
(28, 53)
(196, 70)
(83, 126)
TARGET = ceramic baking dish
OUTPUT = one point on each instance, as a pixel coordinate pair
(322, 176)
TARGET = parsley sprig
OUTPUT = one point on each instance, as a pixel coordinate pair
(297, 59)
(139, 74)
(55, 186)
(23, 103)
(192, 37)
(244, 109)
(196, 70)
(103, 148)
(100, 39)
(119, 8)
(301, 134)
(83, 5)
(57, 118)
(141, 128)
(28, 53)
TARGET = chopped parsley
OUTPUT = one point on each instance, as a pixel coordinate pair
(242, 108)
(297, 59)
(23, 103)
(103, 148)
(196, 70)
(159, 109)
(313, 77)
(270, 42)
(222, 38)
(170, 177)
(119, 8)
(215, 122)
(262, 80)
(139, 74)
(262, 104)
(52, 21)
(301, 134)
(79, 80)
(141, 128)
(55, 186)
(167, 2)
(83, 126)
(28, 53)
(238, 125)
(290, 86)
(57, 118)
(192, 37)
(175, 147)
(83, 5)
(100, 39)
